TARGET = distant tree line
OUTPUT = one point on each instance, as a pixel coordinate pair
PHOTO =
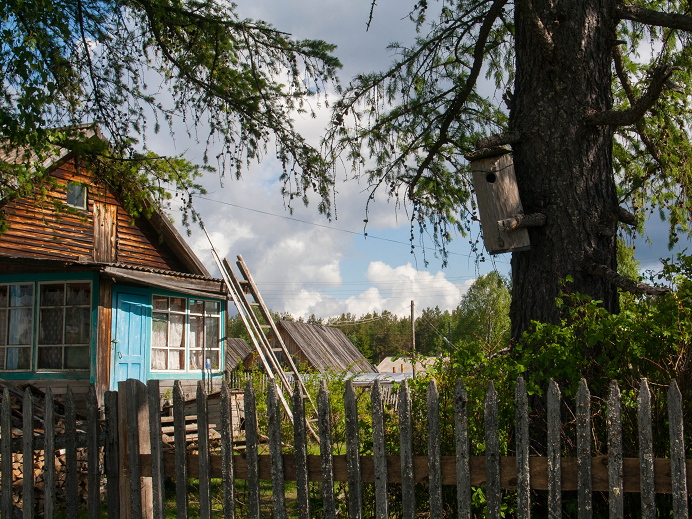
(481, 319)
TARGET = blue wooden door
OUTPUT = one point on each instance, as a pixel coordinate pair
(131, 324)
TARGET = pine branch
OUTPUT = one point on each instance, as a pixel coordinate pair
(541, 33)
(651, 17)
(625, 216)
(624, 283)
(464, 93)
(640, 107)
(499, 139)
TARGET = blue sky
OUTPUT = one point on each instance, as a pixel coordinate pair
(312, 265)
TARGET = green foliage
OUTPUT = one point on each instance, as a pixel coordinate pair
(67, 63)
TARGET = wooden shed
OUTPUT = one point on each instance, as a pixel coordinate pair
(322, 348)
(92, 296)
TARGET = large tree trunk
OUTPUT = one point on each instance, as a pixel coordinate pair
(563, 166)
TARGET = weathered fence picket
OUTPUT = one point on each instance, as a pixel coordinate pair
(646, 451)
(585, 492)
(141, 456)
(521, 434)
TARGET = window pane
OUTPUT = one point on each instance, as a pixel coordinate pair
(177, 304)
(21, 322)
(50, 326)
(196, 307)
(212, 332)
(52, 295)
(212, 307)
(196, 359)
(158, 359)
(2, 358)
(160, 303)
(77, 357)
(21, 295)
(50, 358)
(77, 326)
(176, 359)
(78, 294)
(177, 331)
(76, 195)
(18, 358)
(214, 356)
(159, 330)
(3, 327)
(196, 332)
(3, 296)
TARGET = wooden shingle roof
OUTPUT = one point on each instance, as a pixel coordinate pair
(237, 350)
(326, 348)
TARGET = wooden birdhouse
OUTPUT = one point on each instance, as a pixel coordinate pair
(499, 205)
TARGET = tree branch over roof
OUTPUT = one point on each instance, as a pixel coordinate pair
(640, 107)
(650, 17)
(462, 96)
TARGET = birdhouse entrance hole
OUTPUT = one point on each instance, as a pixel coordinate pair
(491, 178)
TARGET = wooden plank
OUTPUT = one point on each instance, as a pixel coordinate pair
(154, 401)
(181, 465)
(324, 416)
(646, 451)
(614, 424)
(93, 468)
(677, 452)
(275, 453)
(521, 435)
(132, 413)
(379, 449)
(498, 198)
(28, 455)
(434, 453)
(300, 443)
(227, 472)
(554, 447)
(355, 498)
(408, 491)
(105, 231)
(253, 497)
(463, 453)
(492, 453)
(71, 474)
(103, 337)
(203, 445)
(585, 493)
(48, 456)
(111, 453)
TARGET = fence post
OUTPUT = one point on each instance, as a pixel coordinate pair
(154, 401)
(408, 493)
(71, 476)
(585, 494)
(326, 459)
(6, 448)
(94, 472)
(48, 457)
(134, 435)
(461, 433)
(379, 451)
(492, 453)
(646, 452)
(28, 455)
(355, 500)
(112, 454)
(678, 470)
(614, 419)
(275, 451)
(251, 452)
(180, 451)
(521, 420)
(301, 449)
(227, 469)
(554, 457)
(434, 455)
(203, 458)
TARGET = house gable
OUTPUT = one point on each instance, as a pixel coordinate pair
(102, 232)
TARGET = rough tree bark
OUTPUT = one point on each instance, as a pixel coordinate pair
(563, 164)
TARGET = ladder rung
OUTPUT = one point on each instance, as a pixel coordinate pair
(277, 350)
(253, 304)
(264, 326)
(243, 282)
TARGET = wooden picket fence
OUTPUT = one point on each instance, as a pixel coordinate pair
(135, 463)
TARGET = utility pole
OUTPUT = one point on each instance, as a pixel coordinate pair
(413, 339)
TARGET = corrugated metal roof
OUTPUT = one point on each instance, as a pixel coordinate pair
(160, 271)
(327, 348)
(237, 350)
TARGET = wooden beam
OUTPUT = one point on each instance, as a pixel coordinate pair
(521, 221)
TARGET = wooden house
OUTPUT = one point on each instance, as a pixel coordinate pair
(322, 348)
(95, 296)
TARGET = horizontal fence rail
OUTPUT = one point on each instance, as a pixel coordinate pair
(121, 441)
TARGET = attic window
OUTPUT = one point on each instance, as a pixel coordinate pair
(76, 195)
